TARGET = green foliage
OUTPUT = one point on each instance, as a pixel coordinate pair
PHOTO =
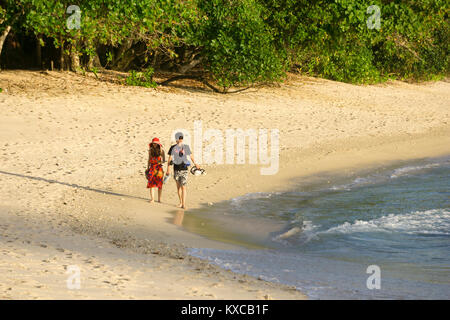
(238, 45)
(94, 70)
(240, 42)
(141, 79)
(331, 38)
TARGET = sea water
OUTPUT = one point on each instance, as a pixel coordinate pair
(322, 238)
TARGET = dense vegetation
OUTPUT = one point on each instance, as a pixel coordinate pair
(234, 42)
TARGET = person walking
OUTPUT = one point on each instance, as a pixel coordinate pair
(178, 154)
(155, 172)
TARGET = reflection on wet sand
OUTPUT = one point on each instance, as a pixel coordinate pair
(178, 219)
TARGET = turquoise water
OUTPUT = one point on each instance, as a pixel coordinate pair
(397, 218)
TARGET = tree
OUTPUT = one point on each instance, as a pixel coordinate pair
(10, 13)
(238, 46)
(241, 42)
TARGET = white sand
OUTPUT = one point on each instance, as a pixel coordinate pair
(68, 140)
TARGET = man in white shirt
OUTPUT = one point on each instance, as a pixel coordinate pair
(178, 154)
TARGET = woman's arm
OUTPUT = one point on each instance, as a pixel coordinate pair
(148, 162)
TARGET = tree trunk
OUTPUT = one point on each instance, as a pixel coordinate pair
(61, 54)
(90, 64)
(61, 60)
(125, 60)
(38, 51)
(126, 45)
(155, 59)
(74, 59)
(3, 38)
(94, 61)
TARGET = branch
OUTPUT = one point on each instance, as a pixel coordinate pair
(189, 66)
(200, 79)
(179, 77)
(3, 36)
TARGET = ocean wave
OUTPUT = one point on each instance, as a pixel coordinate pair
(252, 196)
(432, 222)
(429, 222)
(306, 232)
(377, 178)
(355, 183)
(409, 169)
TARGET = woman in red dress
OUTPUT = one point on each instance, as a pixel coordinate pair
(155, 171)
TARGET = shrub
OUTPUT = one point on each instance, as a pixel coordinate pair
(238, 45)
(141, 79)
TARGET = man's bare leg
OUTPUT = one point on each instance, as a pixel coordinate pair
(180, 205)
(183, 196)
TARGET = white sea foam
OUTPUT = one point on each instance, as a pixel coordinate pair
(361, 181)
(355, 183)
(289, 233)
(307, 231)
(436, 221)
(429, 222)
(252, 196)
(409, 169)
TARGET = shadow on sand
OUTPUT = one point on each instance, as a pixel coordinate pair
(72, 185)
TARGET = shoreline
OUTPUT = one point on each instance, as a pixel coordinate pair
(176, 239)
(90, 176)
(300, 226)
(198, 222)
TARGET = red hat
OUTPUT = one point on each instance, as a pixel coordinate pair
(156, 140)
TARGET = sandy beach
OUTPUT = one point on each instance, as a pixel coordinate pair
(74, 149)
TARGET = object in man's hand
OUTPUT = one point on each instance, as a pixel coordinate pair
(198, 172)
